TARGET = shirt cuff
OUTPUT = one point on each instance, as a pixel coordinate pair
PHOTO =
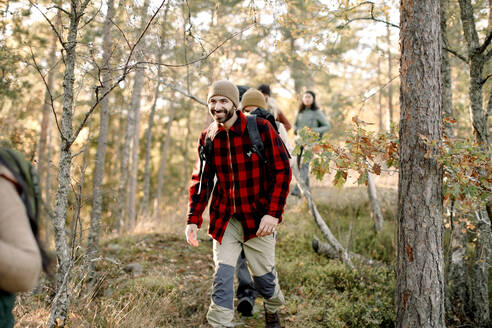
(193, 219)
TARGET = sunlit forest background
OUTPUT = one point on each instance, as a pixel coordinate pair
(140, 75)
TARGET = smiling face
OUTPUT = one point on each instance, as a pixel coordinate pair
(307, 99)
(221, 108)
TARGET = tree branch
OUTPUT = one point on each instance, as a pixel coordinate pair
(49, 92)
(58, 35)
(184, 93)
(451, 51)
(122, 33)
(488, 55)
(127, 68)
(232, 36)
(93, 17)
(60, 9)
(372, 17)
(342, 253)
(486, 43)
(485, 79)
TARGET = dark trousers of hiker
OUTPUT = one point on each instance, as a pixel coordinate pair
(246, 286)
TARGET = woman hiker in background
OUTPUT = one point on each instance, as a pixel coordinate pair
(310, 116)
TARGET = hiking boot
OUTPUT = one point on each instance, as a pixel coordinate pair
(272, 320)
(245, 307)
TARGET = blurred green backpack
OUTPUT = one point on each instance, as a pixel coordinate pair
(26, 183)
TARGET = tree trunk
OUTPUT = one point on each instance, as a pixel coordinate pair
(59, 309)
(390, 75)
(419, 274)
(135, 108)
(162, 167)
(456, 270)
(377, 216)
(76, 222)
(148, 140)
(380, 94)
(480, 269)
(45, 121)
(446, 82)
(43, 156)
(457, 284)
(47, 189)
(97, 199)
(148, 134)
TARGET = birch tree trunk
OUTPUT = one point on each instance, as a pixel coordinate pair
(377, 216)
(162, 167)
(419, 274)
(97, 199)
(59, 309)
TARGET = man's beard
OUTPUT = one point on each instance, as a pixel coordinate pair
(224, 119)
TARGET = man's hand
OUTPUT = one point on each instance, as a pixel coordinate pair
(267, 226)
(191, 234)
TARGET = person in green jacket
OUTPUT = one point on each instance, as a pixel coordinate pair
(310, 116)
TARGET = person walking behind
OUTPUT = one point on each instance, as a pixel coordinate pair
(309, 115)
(20, 254)
(247, 202)
(272, 106)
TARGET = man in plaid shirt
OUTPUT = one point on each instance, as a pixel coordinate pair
(247, 203)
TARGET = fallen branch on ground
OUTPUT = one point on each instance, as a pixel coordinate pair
(328, 251)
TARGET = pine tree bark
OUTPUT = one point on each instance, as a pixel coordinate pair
(148, 134)
(456, 271)
(135, 136)
(43, 156)
(45, 120)
(97, 185)
(419, 275)
(390, 77)
(446, 88)
(477, 58)
(133, 174)
(380, 94)
(162, 166)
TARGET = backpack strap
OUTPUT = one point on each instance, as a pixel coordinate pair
(206, 153)
(26, 182)
(254, 135)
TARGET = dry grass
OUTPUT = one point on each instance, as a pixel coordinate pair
(174, 288)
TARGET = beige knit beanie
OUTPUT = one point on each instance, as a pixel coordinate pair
(226, 89)
(253, 97)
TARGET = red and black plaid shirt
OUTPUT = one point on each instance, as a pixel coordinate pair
(246, 187)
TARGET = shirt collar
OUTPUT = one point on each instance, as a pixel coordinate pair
(238, 127)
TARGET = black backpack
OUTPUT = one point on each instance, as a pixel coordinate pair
(206, 150)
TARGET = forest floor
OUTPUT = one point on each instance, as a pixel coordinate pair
(157, 280)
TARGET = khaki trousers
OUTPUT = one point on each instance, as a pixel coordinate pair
(260, 254)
